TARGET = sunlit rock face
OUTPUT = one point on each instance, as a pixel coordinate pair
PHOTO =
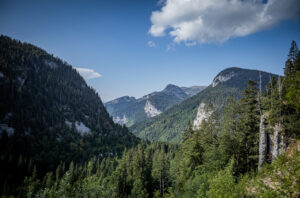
(120, 120)
(277, 144)
(222, 78)
(150, 110)
(202, 114)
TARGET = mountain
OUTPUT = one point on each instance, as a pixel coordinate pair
(169, 125)
(49, 114)
(191, 91)
(128, 110)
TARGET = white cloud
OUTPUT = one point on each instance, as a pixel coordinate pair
(88, 74)
(216, 21)
(151, 44)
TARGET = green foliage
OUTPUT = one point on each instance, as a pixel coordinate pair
(138, 190)
(291, 93)
(279, 179)
(217, 160)
(248, 128)
(223, 184)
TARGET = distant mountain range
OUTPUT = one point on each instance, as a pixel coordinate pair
(129, 110)
(169, 125)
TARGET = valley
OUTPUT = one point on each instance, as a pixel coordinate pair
(58, 139)
(150, 99)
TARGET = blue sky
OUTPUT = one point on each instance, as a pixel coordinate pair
(137, 51)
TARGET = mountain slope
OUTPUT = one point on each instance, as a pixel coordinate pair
(128, 110)
(191, 91)
(48, 114)
(170, 125)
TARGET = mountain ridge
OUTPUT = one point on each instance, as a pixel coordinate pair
(170, 125)
(129, 110)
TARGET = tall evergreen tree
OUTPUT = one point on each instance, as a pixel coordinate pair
(228, 139)
(248, 128)
(188, 132)
(293, 53)
(160, 170)
(291, 93)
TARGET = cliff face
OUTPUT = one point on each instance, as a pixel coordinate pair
(277, 143)
(272, 142)
(280, 178)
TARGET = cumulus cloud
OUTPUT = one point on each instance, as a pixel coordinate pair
(151, 44)
(88, 74)
(216, 21)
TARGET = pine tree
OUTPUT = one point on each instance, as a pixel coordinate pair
(159, 170)
(228, 138)
(248, 129)
(188, 132)
(291, 93)
(293, 53)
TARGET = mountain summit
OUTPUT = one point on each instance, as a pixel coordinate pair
(169, 125)
(128, 110)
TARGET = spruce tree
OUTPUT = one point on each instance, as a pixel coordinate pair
(293, 53)
(291, 93)
(228, 138)
(248, 129)
(188, 132)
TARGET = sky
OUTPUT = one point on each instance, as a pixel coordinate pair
(135, 47)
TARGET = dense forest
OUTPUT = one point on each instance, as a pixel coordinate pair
(49, 115)
(259, 131)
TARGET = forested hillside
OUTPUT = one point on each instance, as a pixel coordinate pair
(222, 158)
(169, 126)
(49, 115)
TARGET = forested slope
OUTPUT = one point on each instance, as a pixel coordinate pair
(49, 115)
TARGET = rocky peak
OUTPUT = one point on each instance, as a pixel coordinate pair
(223, 76)
(174, 90)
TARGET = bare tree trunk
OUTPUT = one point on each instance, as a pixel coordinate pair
(279, 87)
(275, 148)
(262, 132)
(262, 143)
(282, 145)
(271, 92)
(259, 95)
